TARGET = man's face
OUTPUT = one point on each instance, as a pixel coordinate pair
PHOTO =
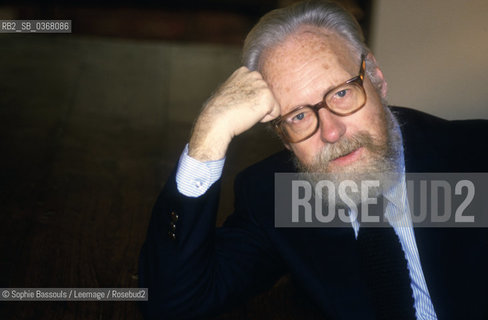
(299, 72)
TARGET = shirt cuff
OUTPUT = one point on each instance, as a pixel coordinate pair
(193, 177)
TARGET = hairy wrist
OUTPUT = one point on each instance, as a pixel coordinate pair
(208, 142)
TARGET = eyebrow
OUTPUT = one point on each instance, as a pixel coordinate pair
(324, 92)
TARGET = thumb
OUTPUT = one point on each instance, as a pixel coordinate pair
(273, 114)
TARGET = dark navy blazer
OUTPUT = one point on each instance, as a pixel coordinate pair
(201, 270)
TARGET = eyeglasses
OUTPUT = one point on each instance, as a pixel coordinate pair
(303, 121)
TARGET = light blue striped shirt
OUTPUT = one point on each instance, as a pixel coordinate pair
(194, 178)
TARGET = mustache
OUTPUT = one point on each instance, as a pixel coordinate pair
(345, 146)
(383, 156)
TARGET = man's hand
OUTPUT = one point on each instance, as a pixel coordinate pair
(242, 101)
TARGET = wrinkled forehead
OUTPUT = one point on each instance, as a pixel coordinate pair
(308, 44)
(301, 69)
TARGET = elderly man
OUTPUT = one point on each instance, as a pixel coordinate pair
(307, 70)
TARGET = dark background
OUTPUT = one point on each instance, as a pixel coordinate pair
(216, 21)
(91, 125)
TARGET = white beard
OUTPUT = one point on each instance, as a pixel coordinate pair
(382, 161)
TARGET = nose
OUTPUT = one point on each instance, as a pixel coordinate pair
(331, 126)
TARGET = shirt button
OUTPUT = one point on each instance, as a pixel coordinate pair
(174, 216)
(172, 226)
(172, 235)
(198, 184)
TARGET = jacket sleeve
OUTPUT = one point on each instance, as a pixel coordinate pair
(191, 268)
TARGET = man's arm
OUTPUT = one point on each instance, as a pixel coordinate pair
(190, 268)
(193, 177)
(242, 101)
(203, 268)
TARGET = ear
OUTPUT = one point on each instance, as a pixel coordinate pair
(379, 75)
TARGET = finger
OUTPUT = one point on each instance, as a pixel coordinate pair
(273, 114)
(242, 69)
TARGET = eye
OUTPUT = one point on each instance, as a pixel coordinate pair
(342, 93)
(299, 116)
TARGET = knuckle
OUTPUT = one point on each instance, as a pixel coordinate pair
(255, 74)
(242, 69)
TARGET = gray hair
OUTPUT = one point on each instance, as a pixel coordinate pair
(274, 27)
